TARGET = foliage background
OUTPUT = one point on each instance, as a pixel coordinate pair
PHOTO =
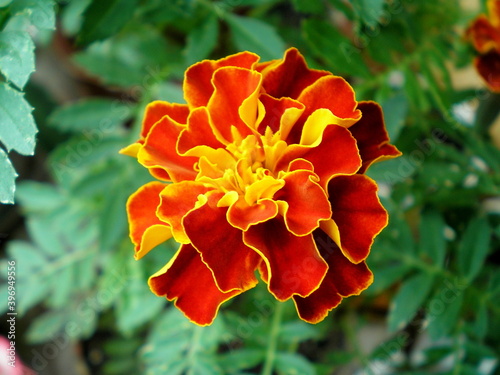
(83, 301)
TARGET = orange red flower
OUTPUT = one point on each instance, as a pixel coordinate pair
(262, 170)
(484, 34)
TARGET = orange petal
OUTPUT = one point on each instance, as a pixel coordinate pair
(307, 203)
(336, 154)
(484, 36)
(233, 86)
(281, 114)
(290, 76)
(371, 136)
(294, 265)
(146, 230)
(198, 78)
(159, 151)
(358, 213)
(197, 133)
(241, 215)
(494, 12)
(221, 246)
(156, 110)
(343, 279)
(176, 201)
(332, 93)
(189, 282)
(488, 67)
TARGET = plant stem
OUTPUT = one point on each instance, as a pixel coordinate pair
(273, 339)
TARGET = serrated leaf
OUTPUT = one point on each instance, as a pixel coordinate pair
(293, 364)
(17, 58)
(202, 40)
(250, 34)
(432, 241)
(408, 300)
(473, 247)
(41, 13)
(105, 18)
(17, 126)
(98, 114)
(8, 180)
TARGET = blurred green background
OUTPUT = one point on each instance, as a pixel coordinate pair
(88, 68)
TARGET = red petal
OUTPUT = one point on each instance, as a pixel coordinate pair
(156, 110)
(198, 79)
(336, 154)
(307, 202)
(330, 92)
(241, 215)
(488, 67)
(159, 151)
(221, 246)
(371, 136)
(232, 87)
(176, 201)
(358, 214)
(146, 230)
(278, 114)
(484, 35)
(293, 263)
(343, 279)
(188, 281)
(198, 132)
(290, 76)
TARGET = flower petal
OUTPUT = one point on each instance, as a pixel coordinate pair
(494, 12)
(336, 154)
(488, 67)
(294, 265)
(234, 88)
(306, 202)
(290, 76)
(146, 230)
(176, 201)
(156, 110)
(281, 114)
(159, 151)
(343, 279)
(198, 79)
(371, 136)
(358, 213)
(242, 215)
(189, 282)
(221, 246)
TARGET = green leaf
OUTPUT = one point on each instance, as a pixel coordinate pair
(103, 115)
(202, 40)
(480, 325)
(17, 58)
(4, 3)
(310, 6)
(8, 180)
(113, 217)
(338, 51)
(251, 34)
(38, 197)
(296, 331)
(395, 111)
(432, 241)
(46, 326)
(72, 16)
(293, 364)
(105, 18)
(473, 247)
(408, 300)
(443, 313)
(44, 234)
(369, 11)
(41, 13)
(17, 126)
(238, 360)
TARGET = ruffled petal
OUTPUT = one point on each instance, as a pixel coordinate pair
(234, 103)
(336, 153)
(484, 36)
(294, 265)
(159, 151)
(156, 110)
(176, 200)
(190, 284)
(281, 114)
(343, 279)
(146, 230)
(242, 215)
(488, 67)
(371, 136)
(357, 213)
(306, 202)
(198, 86)
(221, 246)
(290, 76)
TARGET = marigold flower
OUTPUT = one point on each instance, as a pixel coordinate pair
(262, 169)
(484, 34)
